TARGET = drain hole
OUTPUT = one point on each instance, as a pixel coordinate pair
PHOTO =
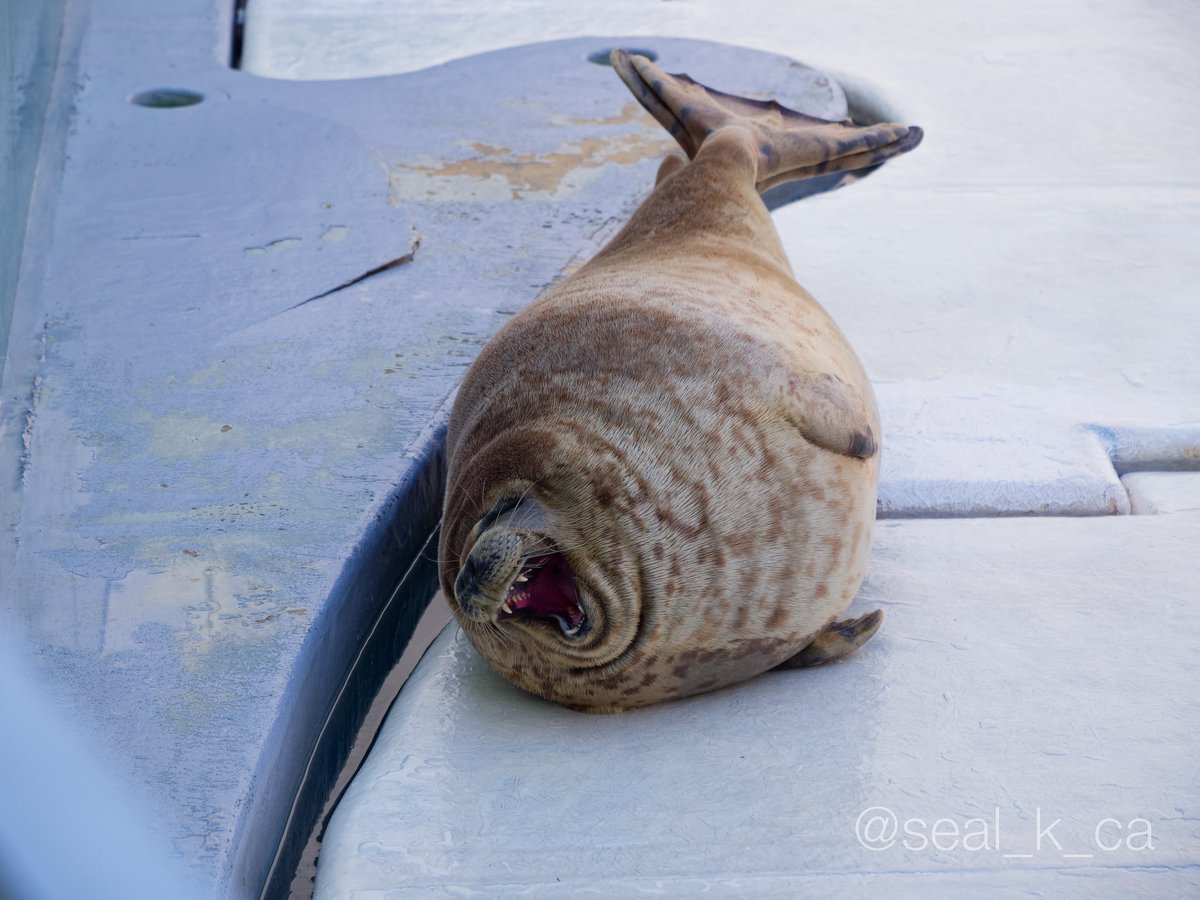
(166, 98)
(600, 57)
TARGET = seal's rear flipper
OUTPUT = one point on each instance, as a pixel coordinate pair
(838, 639)
(790, 145)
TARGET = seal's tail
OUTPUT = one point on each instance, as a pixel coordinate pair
(791, 145)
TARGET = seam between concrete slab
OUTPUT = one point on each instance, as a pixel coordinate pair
(280, 868)
(349, 706)
(420, 492)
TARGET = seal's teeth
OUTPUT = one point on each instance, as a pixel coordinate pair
(506, 608)
(522, 577)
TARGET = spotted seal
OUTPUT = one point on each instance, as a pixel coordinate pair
(662, 473)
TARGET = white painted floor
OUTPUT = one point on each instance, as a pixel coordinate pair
(1029, 672)
(1023, 291)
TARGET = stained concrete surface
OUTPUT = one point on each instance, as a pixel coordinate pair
(1021, 290)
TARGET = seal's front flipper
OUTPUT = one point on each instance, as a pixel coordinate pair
(831, 414)
(838, 639)
(790, 145)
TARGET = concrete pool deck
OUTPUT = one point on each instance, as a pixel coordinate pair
(222, 448)
(1022, 290)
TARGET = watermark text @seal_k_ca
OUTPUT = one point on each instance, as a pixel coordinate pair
(880, 828)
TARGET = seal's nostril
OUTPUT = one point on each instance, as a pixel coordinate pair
(466, 585)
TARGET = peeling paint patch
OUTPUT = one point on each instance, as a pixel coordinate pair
(190, 604)
(499, 173)
(335, 234)
(630, 112)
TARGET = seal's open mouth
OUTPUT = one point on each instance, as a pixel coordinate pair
(545, 590)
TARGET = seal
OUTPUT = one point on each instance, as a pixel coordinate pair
(662, 473)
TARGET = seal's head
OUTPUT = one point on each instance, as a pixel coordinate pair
(547, 593)
(516, 570)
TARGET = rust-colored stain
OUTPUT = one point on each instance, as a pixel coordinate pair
(496, 173)
(630, 112)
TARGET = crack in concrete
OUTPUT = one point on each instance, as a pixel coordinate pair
(35, 396)
(370, 273)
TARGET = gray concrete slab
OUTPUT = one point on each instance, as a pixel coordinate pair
(1160, 493)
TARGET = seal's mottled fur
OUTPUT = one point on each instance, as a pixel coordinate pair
(679, 428)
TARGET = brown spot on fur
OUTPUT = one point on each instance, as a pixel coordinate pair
(775, 509)
(778, 617)
(740, 544)
(854, 544)
(676, 524)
